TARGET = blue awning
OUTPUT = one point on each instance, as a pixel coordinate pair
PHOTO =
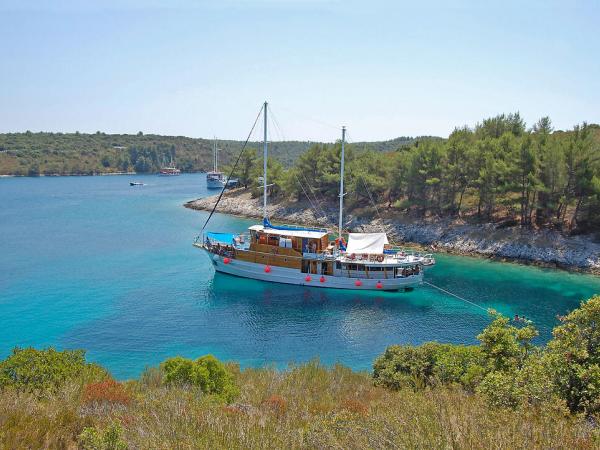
(268, 224)
(225, 238)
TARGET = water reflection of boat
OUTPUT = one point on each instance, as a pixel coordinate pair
(306, 256)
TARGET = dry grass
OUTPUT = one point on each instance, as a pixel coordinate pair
(305, 407)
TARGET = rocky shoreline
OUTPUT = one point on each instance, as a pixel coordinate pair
(545, 248)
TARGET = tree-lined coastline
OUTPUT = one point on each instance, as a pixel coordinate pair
(498, 171)
(33, 154)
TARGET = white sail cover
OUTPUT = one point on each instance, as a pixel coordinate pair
(366, 243)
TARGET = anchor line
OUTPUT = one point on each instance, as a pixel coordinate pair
(454, 295)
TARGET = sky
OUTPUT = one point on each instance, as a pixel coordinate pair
(383, 69)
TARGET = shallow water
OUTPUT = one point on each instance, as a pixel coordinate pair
(90, 262)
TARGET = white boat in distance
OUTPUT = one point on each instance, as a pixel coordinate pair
(306, 256)
(214, 178)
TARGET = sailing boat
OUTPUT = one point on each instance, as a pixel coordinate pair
(170, 170)
(214, 178)
(305, 256)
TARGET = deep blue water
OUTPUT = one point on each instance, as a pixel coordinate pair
(92, 263)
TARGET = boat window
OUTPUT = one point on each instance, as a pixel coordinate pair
(338, 265)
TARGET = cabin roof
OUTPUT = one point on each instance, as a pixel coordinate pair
(292, 233)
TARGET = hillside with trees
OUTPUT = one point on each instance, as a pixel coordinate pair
(33, 154)
(498, 171)
(86, 154)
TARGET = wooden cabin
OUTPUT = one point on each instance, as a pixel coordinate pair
(285, 248)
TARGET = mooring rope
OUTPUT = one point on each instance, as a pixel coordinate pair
(454, 295)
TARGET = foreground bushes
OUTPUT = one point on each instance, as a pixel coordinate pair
(506, 368)
(430, 396)
(307, 406)
(44, 371)
(207, 372)
(428, 365)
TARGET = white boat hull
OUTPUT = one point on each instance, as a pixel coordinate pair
(214, 184)
(286, 275)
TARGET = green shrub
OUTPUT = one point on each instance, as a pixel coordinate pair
(458, 364)
(501, 389)
(505, 346)
(574, 358)
(43, 371)
(429, 364)
(207, 372)
(527, 386)
(109, 439)
(506, 369)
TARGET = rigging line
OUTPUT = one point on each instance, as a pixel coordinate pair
(316, 206)
(276, 123)
(305, 193)
(232, 170)
(279, 130)
(454, 295)
(320, 122)
(318, 198)
(371, 199)
(278, 127)
(376, 207)
(319, 208)
(280, 134)
(314, 192)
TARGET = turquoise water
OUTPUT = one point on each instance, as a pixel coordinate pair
(90, 262)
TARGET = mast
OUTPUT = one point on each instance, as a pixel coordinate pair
(265, 164)
(215, 154)
(342, 184)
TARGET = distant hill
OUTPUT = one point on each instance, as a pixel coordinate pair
(80, 153)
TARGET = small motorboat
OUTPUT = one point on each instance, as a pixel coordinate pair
(135, 183)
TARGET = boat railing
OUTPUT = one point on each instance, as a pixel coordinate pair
(318, 256)
(393, 249)
(240, 241)
(297, 227)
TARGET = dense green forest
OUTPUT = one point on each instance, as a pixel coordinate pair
(499, 170)
(78, 153)
(504, 392)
